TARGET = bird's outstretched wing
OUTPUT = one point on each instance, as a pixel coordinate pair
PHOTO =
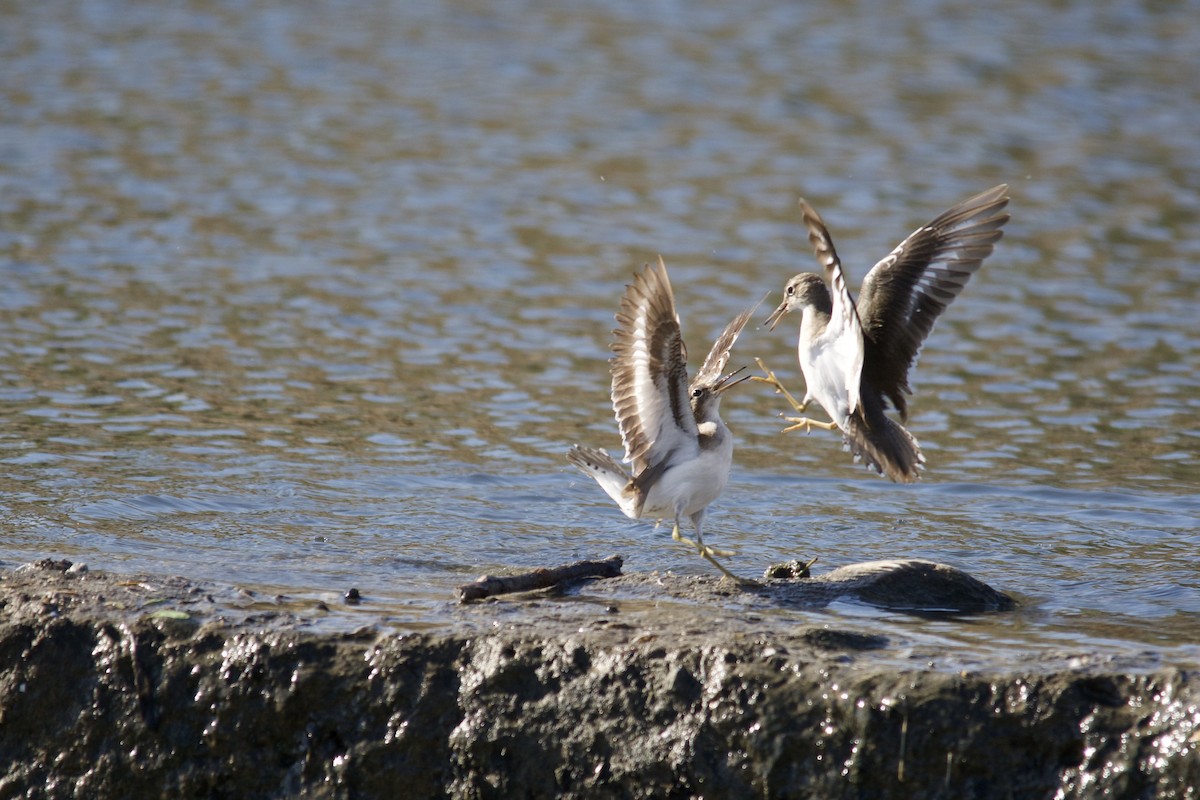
(649, 371)
(904, 293)
(712, 369)
(844, 324)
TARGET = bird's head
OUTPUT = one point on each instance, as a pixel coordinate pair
(804, 289)
(706, 395)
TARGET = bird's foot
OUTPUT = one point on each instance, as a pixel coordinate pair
(707, 553)
(808, 424)
(710, 554)
(701, 547)
(771, 380)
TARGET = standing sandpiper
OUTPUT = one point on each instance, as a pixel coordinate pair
(679, 449)
(856, 358)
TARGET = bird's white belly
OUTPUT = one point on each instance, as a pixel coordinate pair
(691, 486)
(825, 378)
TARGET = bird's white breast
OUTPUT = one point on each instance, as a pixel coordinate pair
(823, 360)
(694, 482)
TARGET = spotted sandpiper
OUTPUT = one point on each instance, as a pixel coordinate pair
(677, 445)
(856, 358)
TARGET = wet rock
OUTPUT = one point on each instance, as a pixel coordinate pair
(840, 641)
(902, 585)
(106, 699)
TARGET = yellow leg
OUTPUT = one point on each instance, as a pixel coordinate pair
(700, 547)
(808, 424)
(710, 555)
(798, 422)
(771, 380)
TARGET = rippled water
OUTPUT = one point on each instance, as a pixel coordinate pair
(311, 295)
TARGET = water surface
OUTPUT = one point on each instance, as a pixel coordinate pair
(304, 296)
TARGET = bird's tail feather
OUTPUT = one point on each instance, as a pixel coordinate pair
(889, 448)
(611, 476)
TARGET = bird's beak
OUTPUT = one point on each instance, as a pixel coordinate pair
(726, 383)
(777, 315)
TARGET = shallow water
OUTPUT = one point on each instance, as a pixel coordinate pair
(309, 296)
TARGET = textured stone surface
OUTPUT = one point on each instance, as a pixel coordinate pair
(150, 687)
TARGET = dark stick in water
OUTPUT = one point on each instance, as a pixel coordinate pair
(490, 586)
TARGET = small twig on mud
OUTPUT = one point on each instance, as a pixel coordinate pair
(490, 586)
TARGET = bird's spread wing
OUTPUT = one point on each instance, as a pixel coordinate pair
(904, 293)
(714, 364)
(649, 371)
(844, 326)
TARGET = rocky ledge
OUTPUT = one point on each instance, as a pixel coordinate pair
(137, 686)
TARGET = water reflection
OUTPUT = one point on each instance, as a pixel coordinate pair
(307, 297)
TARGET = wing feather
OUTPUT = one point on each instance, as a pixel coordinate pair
(714, 364)
(903, 295)
(649, 371)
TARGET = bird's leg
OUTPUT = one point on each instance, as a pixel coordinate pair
(710, 554)
(808, 424)
(700, 547)
(771, 380)
(797, 422)
(707, 553)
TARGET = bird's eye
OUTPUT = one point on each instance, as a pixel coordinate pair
(791, 290)
(697, 392)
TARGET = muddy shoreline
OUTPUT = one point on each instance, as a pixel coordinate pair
(144, 686)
